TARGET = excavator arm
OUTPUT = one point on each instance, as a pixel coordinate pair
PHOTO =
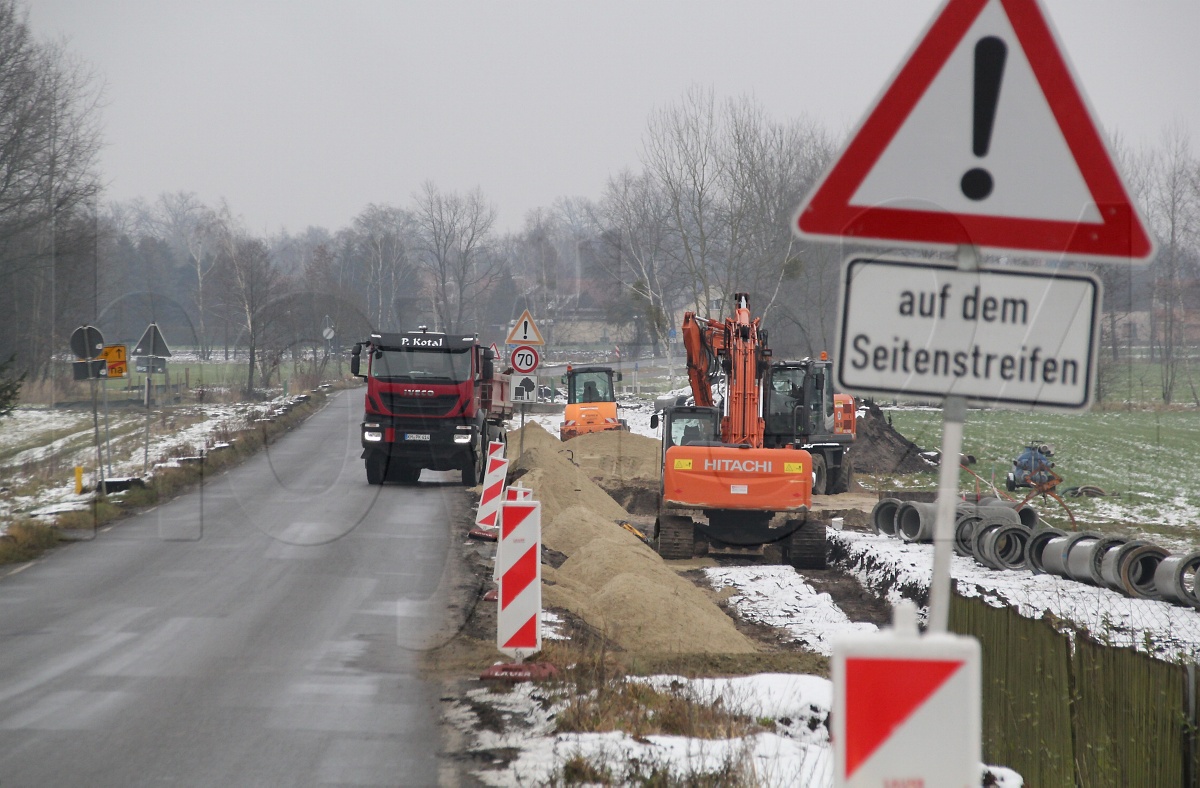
(740, 346)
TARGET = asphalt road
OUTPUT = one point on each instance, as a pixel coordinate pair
(265, 630)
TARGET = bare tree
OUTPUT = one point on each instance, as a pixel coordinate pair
(681, 153)
(636, 218)
(49, 140)
(194, 232)
(251, 282)
(384, 234)
(1175, 216)
(454, 231)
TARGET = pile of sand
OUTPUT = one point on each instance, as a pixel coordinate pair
(622, 588)
(617, 455)
(611, 579)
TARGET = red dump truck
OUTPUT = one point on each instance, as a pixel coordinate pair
(433, 401)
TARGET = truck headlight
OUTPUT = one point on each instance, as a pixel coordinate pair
(462, 437)
(372, 435)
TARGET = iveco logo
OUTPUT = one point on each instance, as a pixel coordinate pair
(417, 392)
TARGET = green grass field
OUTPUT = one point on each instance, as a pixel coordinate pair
(1148, 460)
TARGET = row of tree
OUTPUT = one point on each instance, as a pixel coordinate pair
(706, 212)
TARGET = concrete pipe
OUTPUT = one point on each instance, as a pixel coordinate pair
(967, 519)
(1110, 564)
(1003, 545)
(1054, 554)
(883, 516)
(1037, 543)
(1079, 559)
(1086, 559)
(915, 521)
(964, 531)
(1026, 513)
(1175, 579)
(1137, 569)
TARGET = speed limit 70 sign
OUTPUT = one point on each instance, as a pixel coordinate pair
(524, 359)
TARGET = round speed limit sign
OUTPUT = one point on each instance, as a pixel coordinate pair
(524, 359)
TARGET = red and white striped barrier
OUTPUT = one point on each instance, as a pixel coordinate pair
(493, 486)
(518, 493)
(519, 569)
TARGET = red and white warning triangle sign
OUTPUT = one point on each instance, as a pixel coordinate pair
(982, 138)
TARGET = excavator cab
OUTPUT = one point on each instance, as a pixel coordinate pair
(801, 410)
(685, 426)
(591, 402)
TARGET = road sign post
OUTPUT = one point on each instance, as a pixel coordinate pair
(982, 138)
(519, 570)
(996, 336)
(907, 709)
(525, 359)
(524, 332)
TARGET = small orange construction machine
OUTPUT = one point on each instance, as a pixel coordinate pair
(591, 402)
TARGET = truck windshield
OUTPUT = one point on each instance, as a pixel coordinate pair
(426, 365)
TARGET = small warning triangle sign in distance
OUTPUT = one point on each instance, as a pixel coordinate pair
(982, 138)
(152, 343)
(525, 332)
(881, 694)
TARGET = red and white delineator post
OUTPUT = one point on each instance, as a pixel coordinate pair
(493, 486)
(518, 493)
(906, 708)
(519, 570)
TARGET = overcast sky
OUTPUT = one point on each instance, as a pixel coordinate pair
(301, 113)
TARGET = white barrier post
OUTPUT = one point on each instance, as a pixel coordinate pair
(518, 493)
(906, 709)
(519, 569)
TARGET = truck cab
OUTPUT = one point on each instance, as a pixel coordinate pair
(433, 401)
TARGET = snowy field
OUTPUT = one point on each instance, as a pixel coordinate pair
(39, 448)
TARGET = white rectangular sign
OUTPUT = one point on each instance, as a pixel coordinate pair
(906, 710)
(996, 336)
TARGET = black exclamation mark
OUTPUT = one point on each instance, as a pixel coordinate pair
(990, 53)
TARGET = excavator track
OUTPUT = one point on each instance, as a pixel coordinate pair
(676, 536)
(806, 548)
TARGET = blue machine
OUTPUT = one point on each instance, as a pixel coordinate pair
(1032, 468)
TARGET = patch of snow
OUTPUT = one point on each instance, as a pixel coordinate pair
(897, 569)
(778, 597)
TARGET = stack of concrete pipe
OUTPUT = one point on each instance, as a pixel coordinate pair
(999, 535)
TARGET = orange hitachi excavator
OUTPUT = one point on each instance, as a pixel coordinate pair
(725, 477)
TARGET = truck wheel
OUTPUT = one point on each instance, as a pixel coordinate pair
(376, 468)
(806, 547)
(472, 469)
(843, 477)
(818, 474)
(676, 536)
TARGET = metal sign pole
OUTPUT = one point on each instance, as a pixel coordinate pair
(954, 415)
(107, 435)
(146, 452)
(101, 489)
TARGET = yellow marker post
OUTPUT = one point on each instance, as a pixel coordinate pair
(78, 479)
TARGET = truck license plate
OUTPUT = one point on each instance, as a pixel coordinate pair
(416, 436)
